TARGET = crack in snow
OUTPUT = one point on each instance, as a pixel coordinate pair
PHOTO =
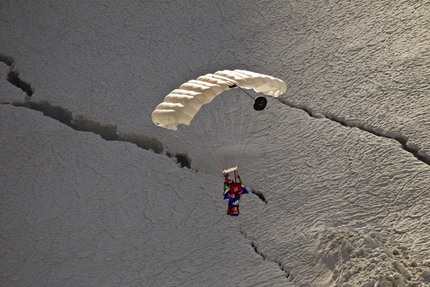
(183, 159)
(257, 251)
(109, 132)
(7, 60)
(13, 76)
(80, 123)
(259, 194)
(403, 140)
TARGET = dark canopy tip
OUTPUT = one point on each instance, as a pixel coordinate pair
(260, 103)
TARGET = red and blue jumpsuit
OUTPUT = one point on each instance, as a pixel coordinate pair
(233, 191)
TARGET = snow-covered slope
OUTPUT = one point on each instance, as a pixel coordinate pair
(341, 169)
(81, 211)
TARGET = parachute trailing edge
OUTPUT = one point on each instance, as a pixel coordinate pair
(182, 104)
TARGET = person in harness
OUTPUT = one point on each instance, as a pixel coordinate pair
(233, 190)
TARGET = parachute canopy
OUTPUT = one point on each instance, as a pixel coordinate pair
(182, 104)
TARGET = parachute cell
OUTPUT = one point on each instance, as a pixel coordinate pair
(181, 105)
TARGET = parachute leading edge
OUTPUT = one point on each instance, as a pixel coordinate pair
(181, 105)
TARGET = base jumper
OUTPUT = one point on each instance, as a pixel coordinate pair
(233, 190)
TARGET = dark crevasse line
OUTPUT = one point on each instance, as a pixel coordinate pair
(80, 123)
(13, 76)
(403, 140)
(259, 252)
(107, 132)
(259, 194)
(7, 60)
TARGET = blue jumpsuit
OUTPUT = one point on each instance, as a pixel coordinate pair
(233, 194)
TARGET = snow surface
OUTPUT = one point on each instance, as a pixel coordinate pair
(344, 181)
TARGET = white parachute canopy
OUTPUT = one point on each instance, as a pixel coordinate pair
(182, 104)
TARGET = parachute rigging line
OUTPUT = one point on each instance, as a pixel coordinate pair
(243, 90)
(221, 133)
(182, 104)
(190, 143)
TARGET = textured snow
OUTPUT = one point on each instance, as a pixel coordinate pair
(343, 186)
